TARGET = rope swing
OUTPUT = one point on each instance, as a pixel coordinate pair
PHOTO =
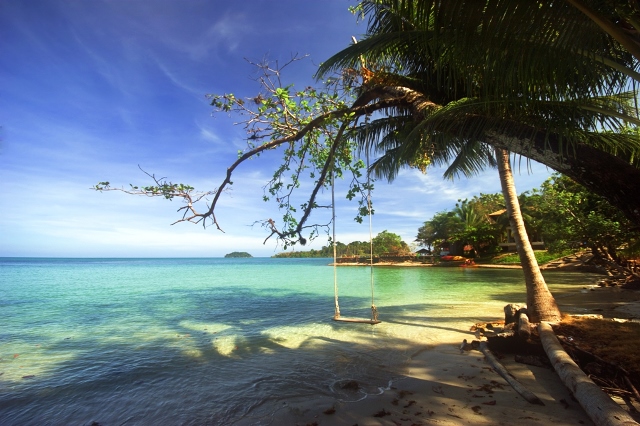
(374, 311)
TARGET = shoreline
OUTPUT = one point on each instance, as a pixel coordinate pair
(429, 265)
(566, 265)
(446, 386)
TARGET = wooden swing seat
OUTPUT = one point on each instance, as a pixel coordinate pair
(361, 320)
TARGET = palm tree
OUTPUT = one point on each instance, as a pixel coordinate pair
(541, 305)
(621, 20)
(468, 215)
(535, 79)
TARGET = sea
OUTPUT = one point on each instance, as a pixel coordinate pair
(218, 341)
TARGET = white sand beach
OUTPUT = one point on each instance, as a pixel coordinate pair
(447, 386)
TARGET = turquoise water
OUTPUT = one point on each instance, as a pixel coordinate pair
(216, 341)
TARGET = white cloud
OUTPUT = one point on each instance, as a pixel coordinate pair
(200, 43)
(178, 80)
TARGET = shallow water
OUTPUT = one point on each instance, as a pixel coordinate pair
(213, 341)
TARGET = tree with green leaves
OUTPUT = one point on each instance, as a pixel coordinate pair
(468, 88)
(436, 232)
(575, 217)
(313, 128)
(388, 243)
(476, 230)
(466, 225)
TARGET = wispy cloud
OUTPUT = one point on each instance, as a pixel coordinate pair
(201, 42)
(179, 81)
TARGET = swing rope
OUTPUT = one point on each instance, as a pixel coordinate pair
(374, 310)
(335, 256)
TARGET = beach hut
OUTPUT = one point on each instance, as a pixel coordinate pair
(508, 243)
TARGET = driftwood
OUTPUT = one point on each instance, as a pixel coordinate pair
(524, 326)
(597, 404)
(516, 385)
(634, 391)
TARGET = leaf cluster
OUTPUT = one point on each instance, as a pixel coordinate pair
(166, 189)
(519, 69)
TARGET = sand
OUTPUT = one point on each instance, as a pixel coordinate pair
(447, 386)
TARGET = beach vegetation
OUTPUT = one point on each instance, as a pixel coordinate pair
(542, 257)
(385, 243)
(561, 212)
(388, 243)
(574, 217)
(467, 229)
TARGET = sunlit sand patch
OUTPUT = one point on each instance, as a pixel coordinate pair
(353, 333)
(294, 337)
(288, 336)
(31, 365)
(192, 352)
(226, 345)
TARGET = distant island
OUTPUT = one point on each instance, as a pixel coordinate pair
(238, 254)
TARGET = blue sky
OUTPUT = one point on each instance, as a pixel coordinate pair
(89, 90)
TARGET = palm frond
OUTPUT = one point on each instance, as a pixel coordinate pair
(505, 45)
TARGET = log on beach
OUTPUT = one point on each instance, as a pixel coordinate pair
(516, 385)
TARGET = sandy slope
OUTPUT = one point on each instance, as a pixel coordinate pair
(448, 387)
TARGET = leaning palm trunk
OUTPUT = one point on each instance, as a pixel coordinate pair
(541, 305)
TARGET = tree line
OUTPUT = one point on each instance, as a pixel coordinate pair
(385, 243)
(561, 212)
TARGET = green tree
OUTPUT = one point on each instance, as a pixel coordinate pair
(487, 204)
(466, 108)
(466, 224)
(475, 230)
(388, 243)
(468, 214)
(575, 217)
(437, 231)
